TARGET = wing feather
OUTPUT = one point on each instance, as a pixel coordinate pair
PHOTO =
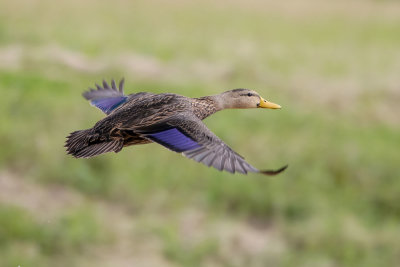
(106, 98)
(182, 131)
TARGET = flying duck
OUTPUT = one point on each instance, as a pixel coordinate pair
(171, 120)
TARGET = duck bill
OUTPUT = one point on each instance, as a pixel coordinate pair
(265, 104)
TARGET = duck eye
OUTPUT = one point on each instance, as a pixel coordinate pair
(249, 94)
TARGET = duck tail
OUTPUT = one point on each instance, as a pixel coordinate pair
(87, 144)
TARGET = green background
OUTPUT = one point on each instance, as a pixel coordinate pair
(334, 66)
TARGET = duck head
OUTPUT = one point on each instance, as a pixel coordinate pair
(244, 98)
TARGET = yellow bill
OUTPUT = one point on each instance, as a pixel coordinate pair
(265, 104)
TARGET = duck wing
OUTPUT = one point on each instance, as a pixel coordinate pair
(106, 98)
(186, 134)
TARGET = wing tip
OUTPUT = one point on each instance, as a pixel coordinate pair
(274, 172)
(106, 97)
(121, 85)
(90, 93)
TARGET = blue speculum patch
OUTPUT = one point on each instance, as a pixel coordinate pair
(174, 140)
(108, 104)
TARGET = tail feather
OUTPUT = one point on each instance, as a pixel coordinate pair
(80, 144)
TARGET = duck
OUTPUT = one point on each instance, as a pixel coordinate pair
(170, 120)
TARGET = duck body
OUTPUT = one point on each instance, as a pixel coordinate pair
(171, 120)
(146, 109)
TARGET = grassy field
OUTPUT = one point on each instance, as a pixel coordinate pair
(334, 66)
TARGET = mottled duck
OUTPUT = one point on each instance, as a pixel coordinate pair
(171, 120)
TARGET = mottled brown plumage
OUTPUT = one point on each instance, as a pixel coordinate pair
(171, 120)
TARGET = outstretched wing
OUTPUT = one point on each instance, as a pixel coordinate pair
(106, 98)
(188, 135)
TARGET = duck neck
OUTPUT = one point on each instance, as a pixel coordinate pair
(206, 106)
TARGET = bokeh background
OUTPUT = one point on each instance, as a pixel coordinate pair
(334, 66)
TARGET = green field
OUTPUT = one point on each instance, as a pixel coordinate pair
(334, 66)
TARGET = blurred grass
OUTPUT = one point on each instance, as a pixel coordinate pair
(332, 66)
(24, 241)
